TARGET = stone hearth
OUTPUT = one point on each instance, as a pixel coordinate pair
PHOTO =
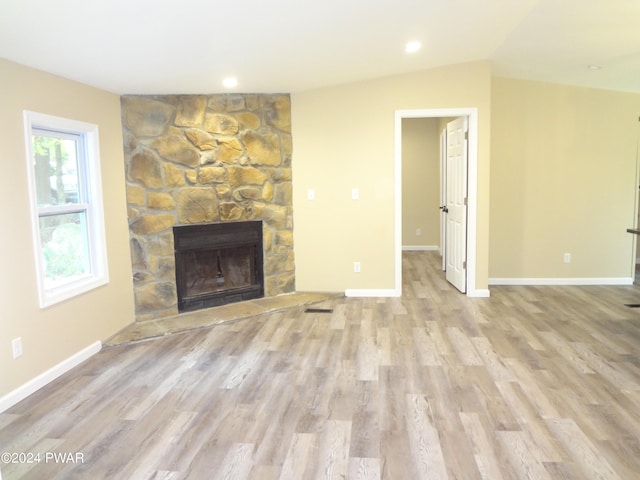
(194, 159)
(208, 318)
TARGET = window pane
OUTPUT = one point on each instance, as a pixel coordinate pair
(66, 206)
(56, 168)
(64, 243)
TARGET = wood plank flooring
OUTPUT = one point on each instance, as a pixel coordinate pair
(532, 383)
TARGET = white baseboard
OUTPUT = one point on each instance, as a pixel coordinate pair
(350, 292)
(479, 293)
(22, 392)
(420, 248)
(562, 281)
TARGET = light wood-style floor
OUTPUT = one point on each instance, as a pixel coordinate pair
(532, 383)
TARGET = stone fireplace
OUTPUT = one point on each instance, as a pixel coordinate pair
(192, 160)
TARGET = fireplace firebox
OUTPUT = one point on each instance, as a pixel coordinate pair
(218, 263)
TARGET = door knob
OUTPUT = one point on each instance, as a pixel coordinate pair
(444, 209)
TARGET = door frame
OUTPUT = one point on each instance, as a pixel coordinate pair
(472, 188)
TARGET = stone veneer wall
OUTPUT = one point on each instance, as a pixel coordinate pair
(194, 159)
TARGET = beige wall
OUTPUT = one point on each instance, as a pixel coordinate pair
(420, 182)
(563, 180)
(51, 335)
(343, 138)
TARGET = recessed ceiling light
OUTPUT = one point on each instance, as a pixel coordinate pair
(595, 67)
(230, 82)
(412, 47)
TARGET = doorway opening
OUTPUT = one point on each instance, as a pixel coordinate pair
(471, 114)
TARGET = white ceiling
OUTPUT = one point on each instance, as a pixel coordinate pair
(189, 46)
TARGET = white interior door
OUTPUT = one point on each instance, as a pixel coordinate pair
(443, 197)
(456, 204)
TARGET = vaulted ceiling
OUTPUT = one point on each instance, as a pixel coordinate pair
(166, 46)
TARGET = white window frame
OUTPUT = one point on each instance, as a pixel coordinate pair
(89, 176)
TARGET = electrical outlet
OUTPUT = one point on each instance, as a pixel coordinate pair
(311, 194)
(356, 267)
(567, 258)
(418, 232)
(16, 346)
(355, 194)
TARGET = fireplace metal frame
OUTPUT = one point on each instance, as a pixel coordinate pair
(218, 236)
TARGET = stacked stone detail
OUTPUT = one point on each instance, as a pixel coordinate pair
(193, 159)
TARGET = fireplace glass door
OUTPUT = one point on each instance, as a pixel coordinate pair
(218, 264)
(220, 269)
